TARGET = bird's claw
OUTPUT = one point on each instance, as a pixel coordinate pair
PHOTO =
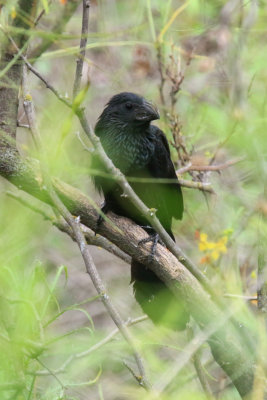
(100, 218)
(155, 239)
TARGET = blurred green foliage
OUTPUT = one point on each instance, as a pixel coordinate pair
(222, 111)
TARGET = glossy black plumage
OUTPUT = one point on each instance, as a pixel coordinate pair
(141, 150)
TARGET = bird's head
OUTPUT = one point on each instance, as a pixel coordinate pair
(129, 109)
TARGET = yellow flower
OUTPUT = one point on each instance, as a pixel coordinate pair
(213, 250)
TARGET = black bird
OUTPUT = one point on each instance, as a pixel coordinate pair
(141, 150)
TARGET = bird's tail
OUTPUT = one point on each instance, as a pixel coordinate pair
(156, 299)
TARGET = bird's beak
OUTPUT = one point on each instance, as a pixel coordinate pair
(147, 112)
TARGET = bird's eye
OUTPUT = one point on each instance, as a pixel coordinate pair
(128, 105)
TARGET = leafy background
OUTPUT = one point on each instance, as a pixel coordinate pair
(49, 309)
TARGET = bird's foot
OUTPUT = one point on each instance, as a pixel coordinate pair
(155, 239)
(100, 218)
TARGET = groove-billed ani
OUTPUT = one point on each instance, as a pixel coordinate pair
(141, 150)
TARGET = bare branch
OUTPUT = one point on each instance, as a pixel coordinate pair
(203, 186)
(83, 42)
(35, 72)
(41, 14)
(218, 167)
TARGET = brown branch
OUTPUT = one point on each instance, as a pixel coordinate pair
(218, 167)
(80, 60)
(162, 77)
(41, 14)
(203, 186)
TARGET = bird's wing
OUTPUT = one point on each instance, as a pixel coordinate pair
(168, 196)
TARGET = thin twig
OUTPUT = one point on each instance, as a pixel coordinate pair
(241, 297)
(136, 377)
(83, 42)
(95, 347)
(198, 366)
(91, 238)
(74, 223)
(203, 186)
(218, 167)
(51, 373)
(41, 14)
(35, 72)
(161, 73)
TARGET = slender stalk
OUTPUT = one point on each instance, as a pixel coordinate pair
(83, 42)
(74, 223)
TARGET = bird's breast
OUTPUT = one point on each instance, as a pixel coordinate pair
(129, 151)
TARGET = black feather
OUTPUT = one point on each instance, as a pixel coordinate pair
(141, 150)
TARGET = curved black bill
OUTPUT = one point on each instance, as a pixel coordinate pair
(147, 112)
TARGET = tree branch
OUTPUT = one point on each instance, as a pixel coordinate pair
(203, 186)
(218, 167)
(84, 33)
